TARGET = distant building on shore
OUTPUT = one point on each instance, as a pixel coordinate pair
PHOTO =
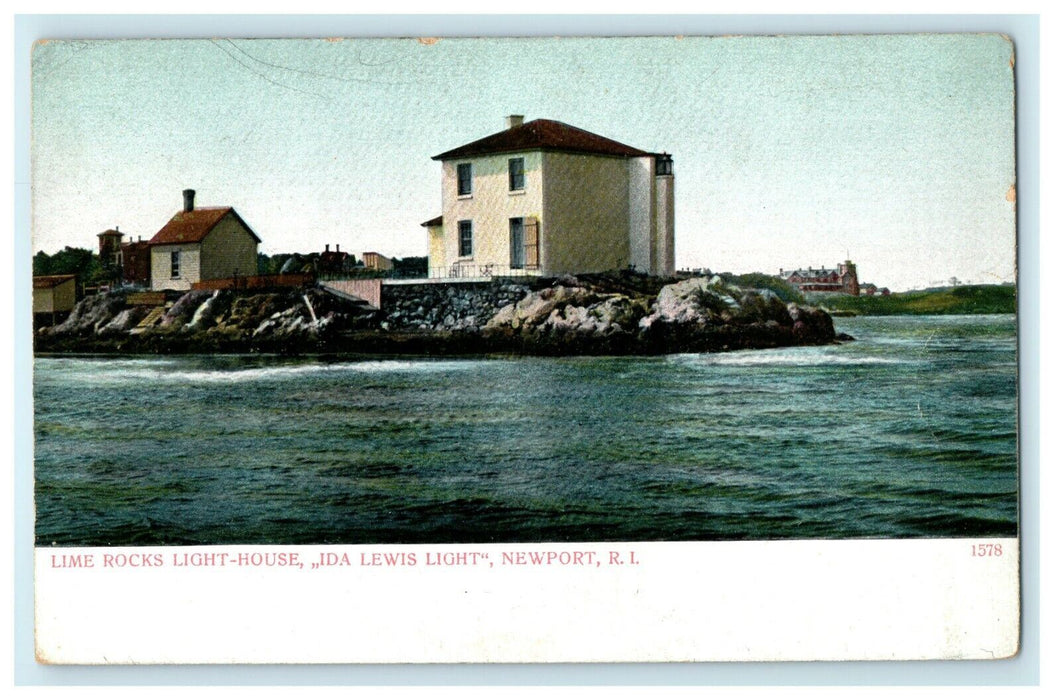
(842, 279)
(131, 259)
(871, 290)
(54, 297)
(548, 198)
(376, 261)
(199, 244)
(333, 262)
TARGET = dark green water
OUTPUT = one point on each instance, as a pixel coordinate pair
(908, 432)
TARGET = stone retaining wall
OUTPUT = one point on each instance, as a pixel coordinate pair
(446, 306)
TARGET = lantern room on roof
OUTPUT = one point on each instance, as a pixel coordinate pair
(548, 198)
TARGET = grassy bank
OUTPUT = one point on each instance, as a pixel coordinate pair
(974, 299)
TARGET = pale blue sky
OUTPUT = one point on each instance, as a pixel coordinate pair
(788, 151)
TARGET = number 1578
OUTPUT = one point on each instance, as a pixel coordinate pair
(987, 550)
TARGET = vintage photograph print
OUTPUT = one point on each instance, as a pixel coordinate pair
(589, 316)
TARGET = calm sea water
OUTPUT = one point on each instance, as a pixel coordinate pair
(908, 432)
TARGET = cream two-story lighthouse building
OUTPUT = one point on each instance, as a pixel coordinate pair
(544, 197)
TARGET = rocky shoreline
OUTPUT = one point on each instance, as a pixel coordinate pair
(616, 314)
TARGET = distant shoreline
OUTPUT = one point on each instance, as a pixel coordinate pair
(953, 301)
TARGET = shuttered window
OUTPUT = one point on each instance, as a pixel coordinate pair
(530, 244)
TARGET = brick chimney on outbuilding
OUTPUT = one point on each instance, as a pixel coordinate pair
(189, 200)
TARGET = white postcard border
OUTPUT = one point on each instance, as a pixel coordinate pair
(532, 603)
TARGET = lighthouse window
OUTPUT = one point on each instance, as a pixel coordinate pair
(464, 230)
(515, 174)
(464, 179)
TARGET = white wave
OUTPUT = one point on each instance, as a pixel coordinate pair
(786, 357)
(131, 371)
(58, 362)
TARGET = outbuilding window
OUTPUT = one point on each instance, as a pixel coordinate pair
(515, 174)
(464, 232)
(464, 179)
(175, 264)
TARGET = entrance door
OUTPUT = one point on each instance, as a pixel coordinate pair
(516, 251)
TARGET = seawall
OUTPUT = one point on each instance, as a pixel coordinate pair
(622, 313)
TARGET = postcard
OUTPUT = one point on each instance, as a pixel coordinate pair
(525, 349)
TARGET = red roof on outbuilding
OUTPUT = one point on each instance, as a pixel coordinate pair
(193, 226)
(543, 135)
(49, 281)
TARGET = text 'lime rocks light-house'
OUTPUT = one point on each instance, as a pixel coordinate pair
(546, 198)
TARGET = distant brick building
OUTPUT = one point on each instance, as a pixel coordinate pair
(132, 259)
(136, 263)
(842, 279)
(333, 261)
(110, 242)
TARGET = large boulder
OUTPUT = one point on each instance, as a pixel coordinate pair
(698, 301)
(247, 312)
(533, 310)
(763, 306)
(289, 322)
(615, 314)
(701, 314)
(811, 325)
(91, 314)
(183, 310)
(568, 319)
(124, 321)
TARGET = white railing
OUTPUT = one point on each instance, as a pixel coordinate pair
(467, 270)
